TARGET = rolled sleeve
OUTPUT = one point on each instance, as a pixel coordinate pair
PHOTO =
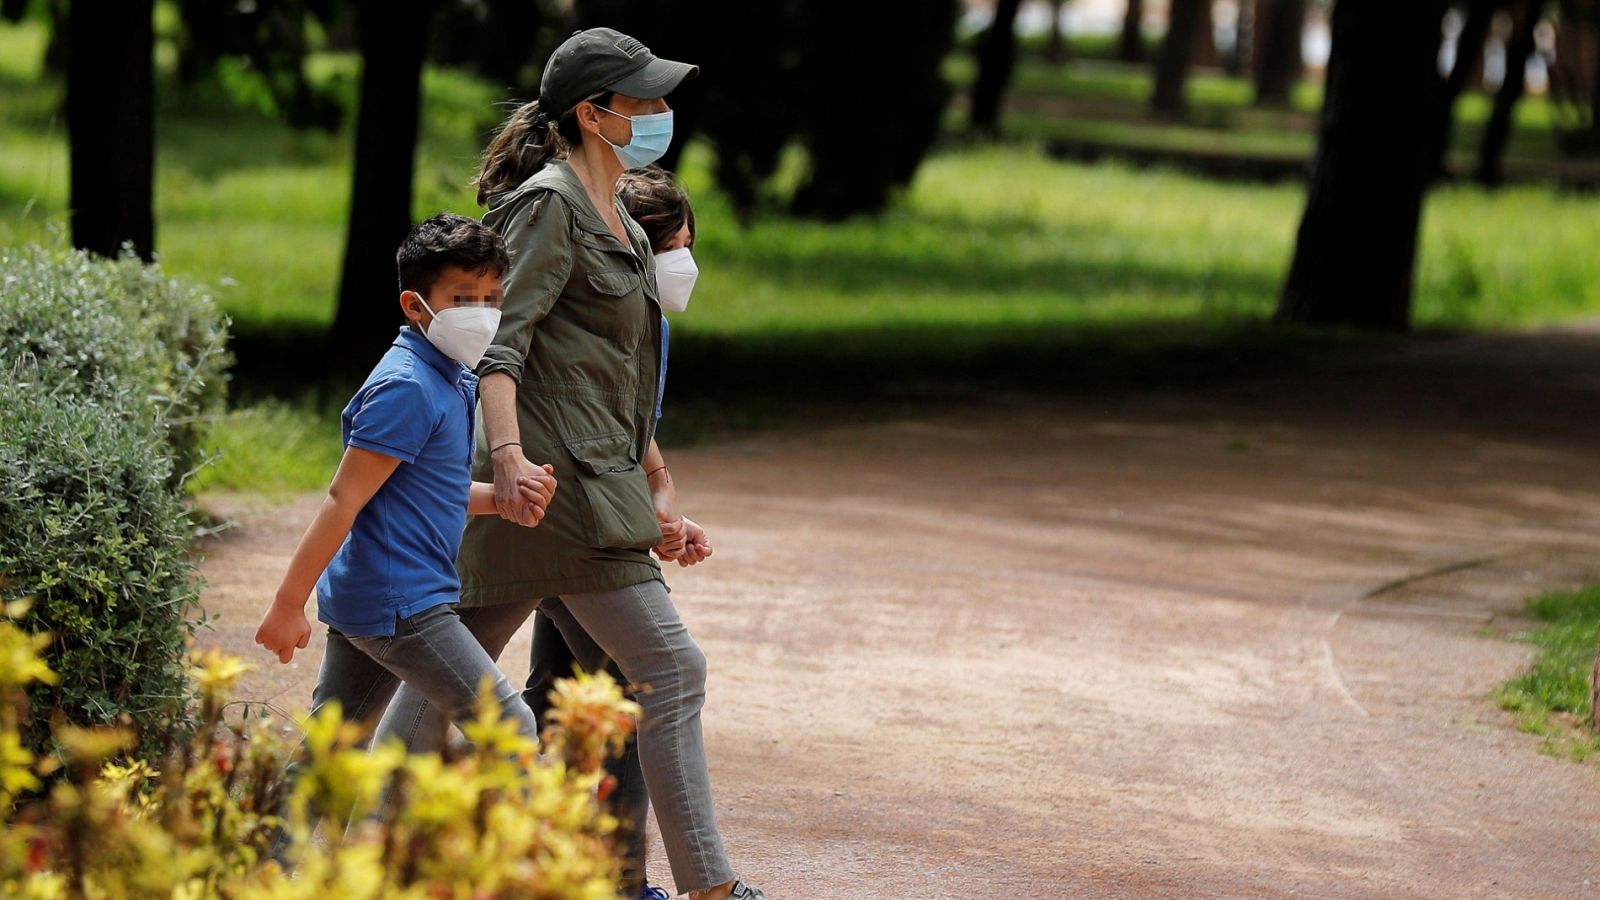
(394, 418)
(538, 234)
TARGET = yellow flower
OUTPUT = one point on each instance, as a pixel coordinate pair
(216, 673)
(16, 766)
(589, 719)
(20, 663)
(91, 745)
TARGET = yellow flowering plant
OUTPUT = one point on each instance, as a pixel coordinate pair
(237, 810)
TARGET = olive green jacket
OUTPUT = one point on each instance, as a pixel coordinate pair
(581, 335)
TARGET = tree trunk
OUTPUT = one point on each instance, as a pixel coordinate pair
(1177, 49)
(1594, 695)
(1497, 132)
(111, 124)
(1356, 249)
(1469, 52)
(1057, 49)
(1205, 37)
(1280, 25)
(393, 37)
(997, 56)
(1130, 48)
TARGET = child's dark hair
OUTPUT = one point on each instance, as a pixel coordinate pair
(528, 140)
(655, 200)
(446, 240)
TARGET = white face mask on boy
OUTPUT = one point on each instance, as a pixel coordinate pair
(462, 333)
(675, 278)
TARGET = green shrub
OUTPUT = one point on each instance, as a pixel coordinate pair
(117, 330)
(97, 535)
(109, 369)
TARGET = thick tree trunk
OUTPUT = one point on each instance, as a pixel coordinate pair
(1469, 53)
(394, 44)
(1177, 50)
(1279, 27)
(1356, 249)
(997, 56)
(111, 124)
(1130, 48)
(1497, 132)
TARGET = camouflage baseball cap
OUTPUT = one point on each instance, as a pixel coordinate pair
(604, 59)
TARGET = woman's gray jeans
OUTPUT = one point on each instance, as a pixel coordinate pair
(638, 628)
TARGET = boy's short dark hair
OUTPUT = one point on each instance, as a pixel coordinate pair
(446, 240)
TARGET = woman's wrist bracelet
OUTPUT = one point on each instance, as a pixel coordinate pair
(655, 470)
(497, 449)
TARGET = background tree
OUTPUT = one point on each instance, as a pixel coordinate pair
(1279, 27)
(1497, 131)
(1130, 43)
(997, 57)
(743, 101)
(871, 111)
(110, 100)
(394, 45)
(1056, 48)
(1479, 15)
(502, 41)
(863, 102)
(1356, 248)
(1176, 55)
(269, 38)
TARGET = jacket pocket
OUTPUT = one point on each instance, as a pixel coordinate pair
(615, 307)
(614, 495)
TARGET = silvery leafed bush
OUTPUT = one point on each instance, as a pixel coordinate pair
(107, 371)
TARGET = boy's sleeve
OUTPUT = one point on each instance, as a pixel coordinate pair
(394, 418)
(539, 239)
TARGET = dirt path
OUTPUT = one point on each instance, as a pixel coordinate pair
(1233, 640)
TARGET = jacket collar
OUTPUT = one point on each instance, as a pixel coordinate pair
(559, 177)
(418, 343)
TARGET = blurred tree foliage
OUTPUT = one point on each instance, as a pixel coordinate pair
(857, 86)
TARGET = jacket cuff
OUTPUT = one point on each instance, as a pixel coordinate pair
(500, 359)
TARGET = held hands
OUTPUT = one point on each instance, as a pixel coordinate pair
(522, 490)
(284, 629)
(684, 542)
(534, 493)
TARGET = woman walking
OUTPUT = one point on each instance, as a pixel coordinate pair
(571, 380)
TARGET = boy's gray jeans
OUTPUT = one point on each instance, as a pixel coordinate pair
(638, 628)
(433, 654)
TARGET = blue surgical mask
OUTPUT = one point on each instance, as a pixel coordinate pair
(652, 135)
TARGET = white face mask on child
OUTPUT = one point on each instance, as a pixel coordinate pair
(462, 333)
(675, 277)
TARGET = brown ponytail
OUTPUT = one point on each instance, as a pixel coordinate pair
(525, 144)
(520, 148)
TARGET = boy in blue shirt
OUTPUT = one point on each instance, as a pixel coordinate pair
(382, 548)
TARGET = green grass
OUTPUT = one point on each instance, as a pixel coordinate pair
(997, 264)
(1106, 102)
(1551, 699)
(271, 448)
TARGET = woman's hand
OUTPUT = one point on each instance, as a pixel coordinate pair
(696, 546)
(514, 475)
(674, 535)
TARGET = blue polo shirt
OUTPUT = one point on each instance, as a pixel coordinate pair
(400, 556)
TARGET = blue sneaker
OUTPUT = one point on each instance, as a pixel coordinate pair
(651, 892)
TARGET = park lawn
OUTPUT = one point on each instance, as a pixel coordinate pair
(1108, 103)
(996, 264)
(1551, 699)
